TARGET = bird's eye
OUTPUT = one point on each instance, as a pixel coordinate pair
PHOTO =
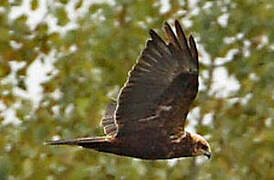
(204, 147)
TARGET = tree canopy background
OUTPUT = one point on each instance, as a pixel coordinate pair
(62, 61)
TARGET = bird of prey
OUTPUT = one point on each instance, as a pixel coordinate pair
(147, 120)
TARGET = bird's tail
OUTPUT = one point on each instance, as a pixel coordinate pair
(88, 142)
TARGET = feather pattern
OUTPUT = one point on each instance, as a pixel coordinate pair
(166, 74)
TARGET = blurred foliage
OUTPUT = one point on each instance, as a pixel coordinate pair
(91, 61)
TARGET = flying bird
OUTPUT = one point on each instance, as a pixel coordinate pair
(147, 120)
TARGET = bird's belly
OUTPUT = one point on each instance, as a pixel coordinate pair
(142, 147)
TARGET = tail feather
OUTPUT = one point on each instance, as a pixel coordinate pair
(78, 141)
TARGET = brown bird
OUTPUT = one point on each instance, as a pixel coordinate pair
(148, 119)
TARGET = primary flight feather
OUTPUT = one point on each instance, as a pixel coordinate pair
(147, 120)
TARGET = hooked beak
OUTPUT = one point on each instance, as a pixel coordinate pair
(207, 154)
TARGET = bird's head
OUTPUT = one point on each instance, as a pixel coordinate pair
(200, 146)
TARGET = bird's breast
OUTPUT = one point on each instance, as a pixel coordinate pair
(146, 146)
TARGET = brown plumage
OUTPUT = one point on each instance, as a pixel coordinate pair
(148, 119)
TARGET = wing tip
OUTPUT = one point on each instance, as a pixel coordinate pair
(193, 50)
(153, 34)
(177, 23)
(192, 41)
(167, 26)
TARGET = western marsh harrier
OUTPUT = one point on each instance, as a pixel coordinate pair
(148, 119)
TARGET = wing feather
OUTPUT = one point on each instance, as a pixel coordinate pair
(194, 51)
(108, 121)
(181, 37)
(161, 85)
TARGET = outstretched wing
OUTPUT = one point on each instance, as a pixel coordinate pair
(161, 86)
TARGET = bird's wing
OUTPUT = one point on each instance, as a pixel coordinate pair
(161, 86)
(108, 122)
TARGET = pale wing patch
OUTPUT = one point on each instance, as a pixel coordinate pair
(162, 108)
(177, 138)
(148, 118)
(165, 108)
